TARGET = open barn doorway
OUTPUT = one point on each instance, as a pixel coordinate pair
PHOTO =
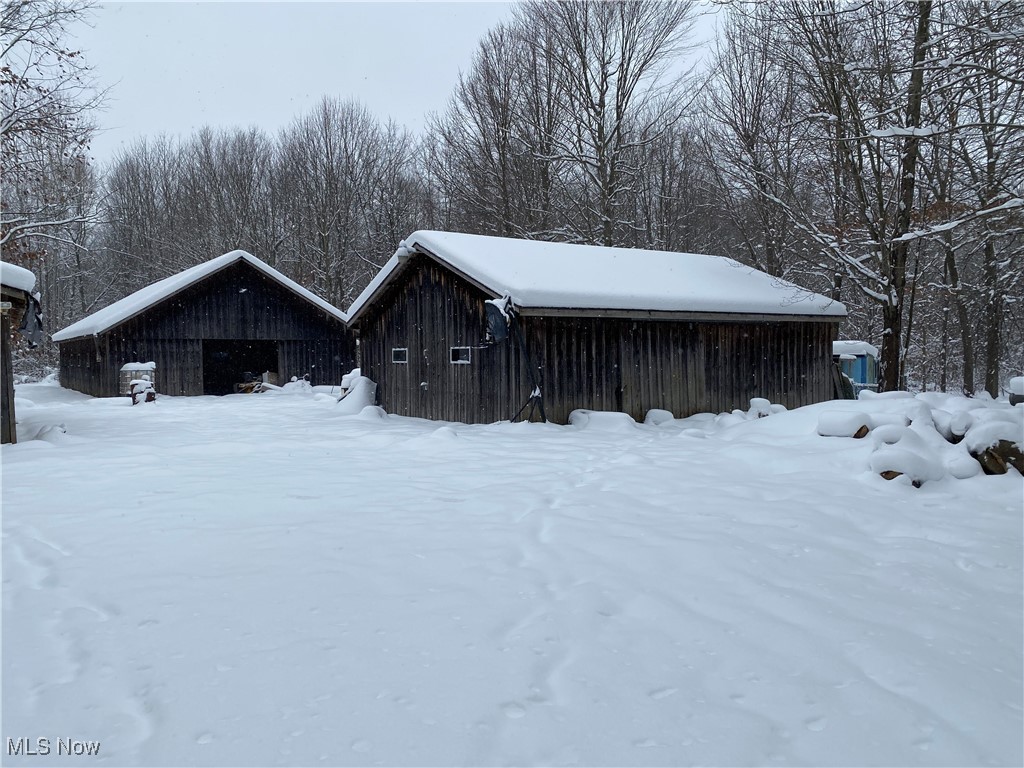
(228, 362)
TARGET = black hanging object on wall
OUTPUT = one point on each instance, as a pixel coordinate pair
(499, 314)
(497, 324)
(503, 320)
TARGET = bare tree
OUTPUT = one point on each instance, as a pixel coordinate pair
(860, 70)
(46, 102)
(332, 165)
(612, 59)
(989, 71)
(753, 140)
(495, 142)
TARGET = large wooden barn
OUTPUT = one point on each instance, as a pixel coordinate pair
(591, 327)
(205, 329)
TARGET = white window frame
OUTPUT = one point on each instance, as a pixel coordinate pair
(467, 361)
(400, 349)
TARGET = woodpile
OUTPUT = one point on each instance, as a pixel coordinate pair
(927, 443)
(996, 459)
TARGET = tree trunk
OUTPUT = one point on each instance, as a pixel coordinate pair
(966, 337)
(889, 363)
(993, 319)
(892, 368)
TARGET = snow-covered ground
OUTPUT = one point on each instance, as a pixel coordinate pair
(262, 580)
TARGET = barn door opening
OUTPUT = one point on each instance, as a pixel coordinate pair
(227, 362)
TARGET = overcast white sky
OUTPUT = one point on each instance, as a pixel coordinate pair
(174, 67)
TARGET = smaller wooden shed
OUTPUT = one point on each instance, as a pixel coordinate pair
(16, 286)
(207, 329)
(610, 329)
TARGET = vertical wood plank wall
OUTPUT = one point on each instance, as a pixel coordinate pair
(596, 363)
(8, 433)
(8, 322)
(239, 302)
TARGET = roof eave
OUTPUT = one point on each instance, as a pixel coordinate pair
(681, 315)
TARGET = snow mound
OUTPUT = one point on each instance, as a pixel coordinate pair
(656, 417)
(883, 419)
(51, 433)
(909, 454)
(867, 394)
(372, 413)
(297, 387)
(444, 433)
(1017, 385)
(961, 465)
(605, 421)
(888, 434)
(843, 424)
(960, 422)
(703, 424)
(361, 393)
(350, 378)
(724, 420)
(988, 434)
(943, 420)
(760, 407)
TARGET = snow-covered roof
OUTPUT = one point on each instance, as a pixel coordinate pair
(854, 348)
(16, 277)
(143, 299)
(539, 274)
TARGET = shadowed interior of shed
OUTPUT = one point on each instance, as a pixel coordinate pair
(227, 362)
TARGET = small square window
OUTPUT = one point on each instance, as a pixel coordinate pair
(399, 355)
(461, 355)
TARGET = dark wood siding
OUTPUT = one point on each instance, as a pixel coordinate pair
(612, 364)
(236, 303)
(427, 311)
(9, 320)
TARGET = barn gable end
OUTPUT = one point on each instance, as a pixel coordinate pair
(204, 335)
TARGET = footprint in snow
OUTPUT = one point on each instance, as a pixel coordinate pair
(662, 693)
(361, 745)
(204, 738)
(513, 710)
(816, 723)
